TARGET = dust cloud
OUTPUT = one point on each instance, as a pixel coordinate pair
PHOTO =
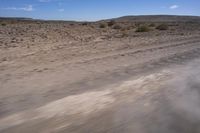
(182, 100)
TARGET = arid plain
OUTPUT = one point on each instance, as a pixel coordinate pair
(126, 75)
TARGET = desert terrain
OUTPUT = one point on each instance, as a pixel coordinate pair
(134, 74)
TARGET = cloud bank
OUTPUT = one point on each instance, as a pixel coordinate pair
(27, 8)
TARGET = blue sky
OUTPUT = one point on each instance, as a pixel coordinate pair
(95, 9)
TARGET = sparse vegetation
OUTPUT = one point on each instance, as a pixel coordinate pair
(102, 25)
(143, 28)
(162, 27)
(111, 23)
(152, 25)
(84, 23)
(83, 75)
(117, 27)
(3, 24)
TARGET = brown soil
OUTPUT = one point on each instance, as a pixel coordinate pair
(81, 77)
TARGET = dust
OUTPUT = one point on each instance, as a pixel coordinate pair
(143, 83)
(84, 104)
(80, 105)
(179, 110)
(186, 91)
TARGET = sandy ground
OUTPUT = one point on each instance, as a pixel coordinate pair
(59, 77)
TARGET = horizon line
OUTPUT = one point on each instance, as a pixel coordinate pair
(82, 20)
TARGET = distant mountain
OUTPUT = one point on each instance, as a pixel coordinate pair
(141, 18)
(159, 18)
(15, 18)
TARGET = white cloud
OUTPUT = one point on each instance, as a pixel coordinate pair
(27, 8)
(174, 7)
(61, 10)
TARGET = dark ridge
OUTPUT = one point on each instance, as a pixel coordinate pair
(159, 18)
(15, 18)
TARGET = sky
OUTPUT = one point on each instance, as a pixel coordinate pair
(91, 10)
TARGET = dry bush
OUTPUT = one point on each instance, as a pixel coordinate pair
(111, 23)
(152, 25)
(117, 27)
(143, 28)
(3, 24)
(162, 27)
(84, 23)
(126, 27)
(102, 25)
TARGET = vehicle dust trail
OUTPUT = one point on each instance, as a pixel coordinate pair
(73, 105)
(83, 105)
(183, 95)
(166, 102)
(176, 109)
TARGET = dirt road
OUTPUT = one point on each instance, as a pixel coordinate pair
(145, 89)
(84, 78)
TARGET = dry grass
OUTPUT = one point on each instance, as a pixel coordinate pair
(117, 27)
(162, 27)
(102, 25)
(143, 28)
(111, 23)
(3, 24)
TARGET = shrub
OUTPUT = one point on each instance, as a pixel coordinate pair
(152, 25)
(102, 25)
(3, 24)
(111, 23)
(162, 27)
(116, 27)
(38, 22)
(143, 28)
(84, 23)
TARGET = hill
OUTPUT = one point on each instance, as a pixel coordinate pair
(159, 18)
